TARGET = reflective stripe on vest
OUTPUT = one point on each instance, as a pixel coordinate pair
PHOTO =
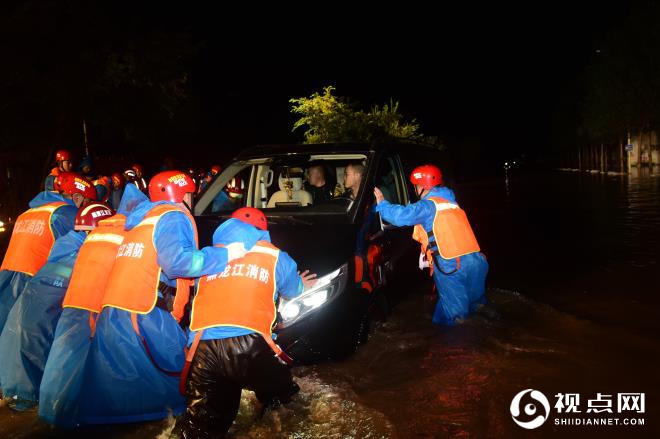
(243, 295)
(31, 240)
(453, 235)
(134, 279)
(94, 264)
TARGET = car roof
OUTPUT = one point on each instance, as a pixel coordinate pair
(323, 148)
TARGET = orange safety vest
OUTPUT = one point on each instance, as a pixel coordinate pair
(134, 279)
(31, 240)
(94, 264)
(243, 295)
(453, 235)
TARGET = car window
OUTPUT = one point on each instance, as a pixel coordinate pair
(389, 181)
(301, 184)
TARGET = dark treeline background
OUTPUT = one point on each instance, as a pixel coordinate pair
(186, 85)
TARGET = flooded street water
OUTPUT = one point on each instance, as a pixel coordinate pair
(574, 295)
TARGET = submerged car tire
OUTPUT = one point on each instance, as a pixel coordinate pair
(372, 310)
(355, 327)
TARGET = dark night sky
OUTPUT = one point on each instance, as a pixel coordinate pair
(493, 78)
(489, 77)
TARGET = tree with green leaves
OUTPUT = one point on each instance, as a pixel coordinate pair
(328, 118)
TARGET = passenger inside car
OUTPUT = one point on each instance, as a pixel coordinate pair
(319, 182)
(305, 185)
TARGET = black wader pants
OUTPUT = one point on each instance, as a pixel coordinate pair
(220, 370)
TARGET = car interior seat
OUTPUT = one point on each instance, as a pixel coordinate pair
(291, 191)
(339, 187)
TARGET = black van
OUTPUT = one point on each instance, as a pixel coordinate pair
(336, 235)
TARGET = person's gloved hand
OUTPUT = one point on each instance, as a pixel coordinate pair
(423, 262)
(235, 250)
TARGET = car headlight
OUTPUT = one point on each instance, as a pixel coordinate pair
(2, 227)
(325, 289)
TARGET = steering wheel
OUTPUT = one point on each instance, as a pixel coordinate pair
(342, 197)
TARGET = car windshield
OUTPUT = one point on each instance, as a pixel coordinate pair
(298, 184)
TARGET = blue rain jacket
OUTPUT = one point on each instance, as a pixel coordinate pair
(122, 383)
(49, 182)
(27, 336)
(115, 197)
(286, 271)
(60, 394)
(459, 290)
(101, 191)
(61, 222)
(222, 203)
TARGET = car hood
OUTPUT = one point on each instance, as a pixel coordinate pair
(318, 247)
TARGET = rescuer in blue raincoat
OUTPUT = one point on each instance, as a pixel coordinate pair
(137, 353)
(51, 216)
(28, 334)
(64, 164)
(60, 392)
(449, 246)
(231, 337)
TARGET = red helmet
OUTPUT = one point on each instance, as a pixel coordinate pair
(252, 216)
(427, 176)
(170, 186)
(215, 169)
(89, 216)
(137, 168)
(236, 187)
(118, 180)
(62, 155)
(74, 183)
